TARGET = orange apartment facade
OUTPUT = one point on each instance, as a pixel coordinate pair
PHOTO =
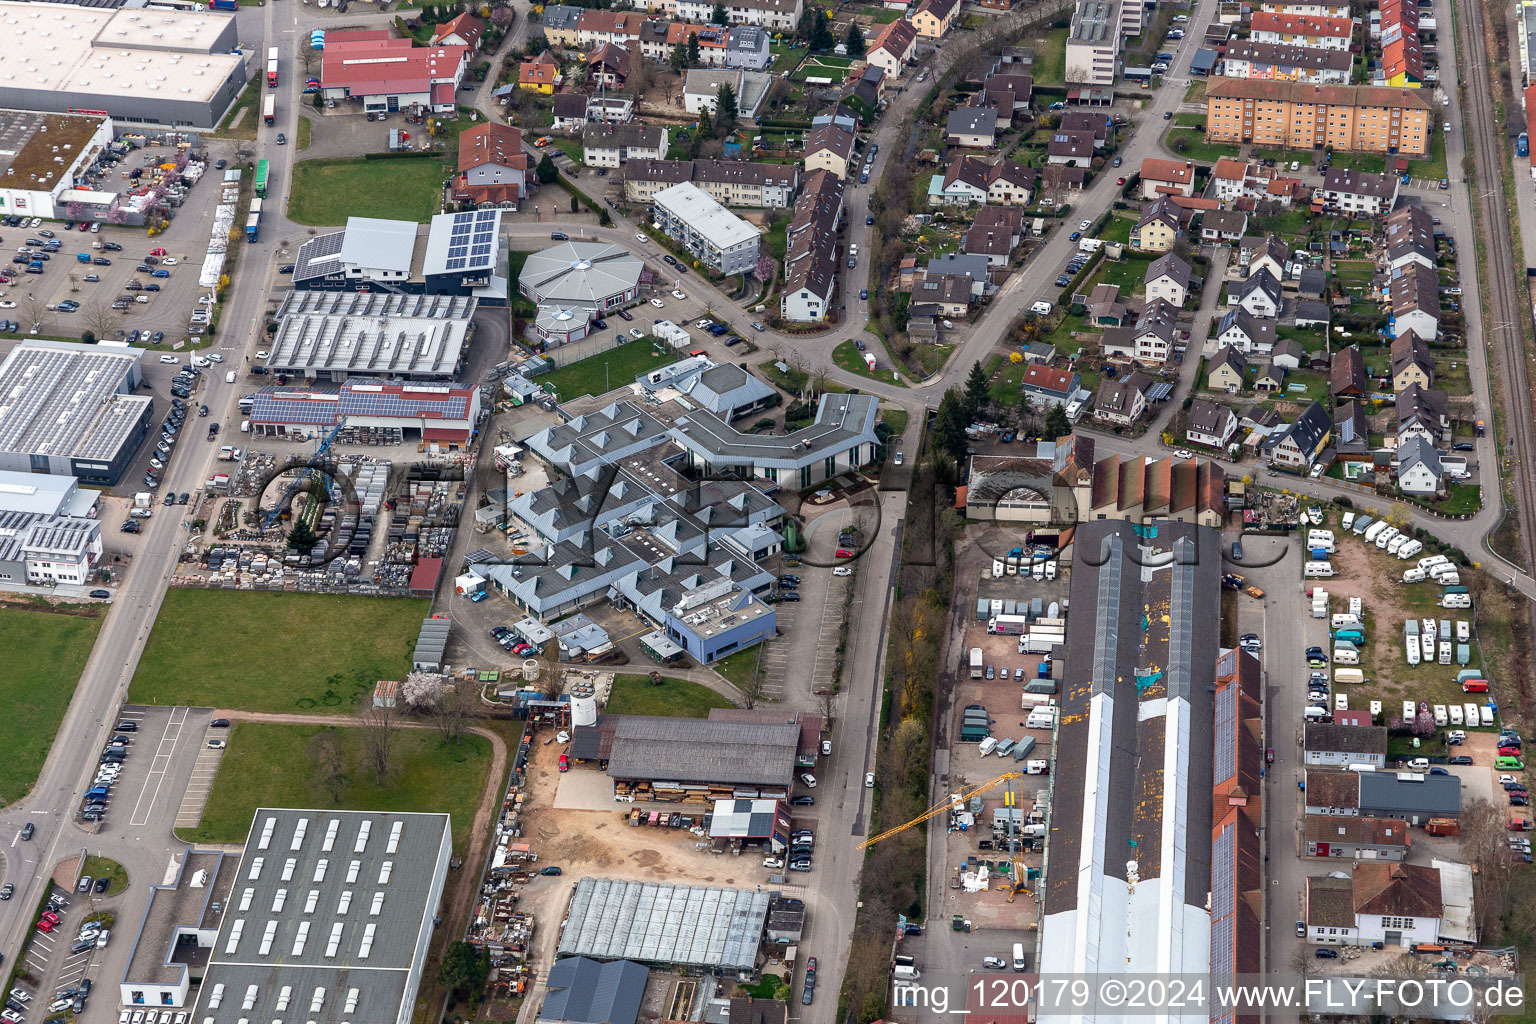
(1298, 115)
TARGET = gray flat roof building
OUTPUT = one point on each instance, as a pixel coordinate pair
(329, 919)
(176, 936)
(706, 928)
(331, 335)
(698, 753)
(841, 439)
(71, 410)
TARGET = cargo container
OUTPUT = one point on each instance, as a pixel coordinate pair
(1442, 827)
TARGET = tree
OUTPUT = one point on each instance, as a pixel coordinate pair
(977, 392)
(1056, 423)
(87, 338)
(329, 766)
(821, 32)
(679, 58)
(98, 318)
(575, 204)
(421, 691)
(949, 425)
(378, 726)
(301, 537)
(764, 269)
(726, 110)
(1423, 724)
(854, 40)
(705, 129)
(453, 709)
(464, 970)
(546, 171)
(693, 49)
(718, 15)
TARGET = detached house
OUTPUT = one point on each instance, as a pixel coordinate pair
(464, 30)
(964, 182)
(971, 128)
(1121, 402)
(1168, 278)
(1159, 228)
(1419, 471)
(1346, 375)
(493, 169)
(1411, 363)
(1249, 334)
(1359, 191)
(1271, 254)
(1050, 385)
(1298, 445)
(1167, 177)
(994, 233)
(541, 74)
(1073, 148)
(934, 18)
(1259, 295)
(1396, 904)
(1210, 424)
(829, 147)
(1011, 183)
(1223, 225)
(892, 47)
(612, 145)
(1227, 370)
(1421, 412)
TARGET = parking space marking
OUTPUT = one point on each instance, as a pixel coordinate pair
(159, 762)
(195, 797)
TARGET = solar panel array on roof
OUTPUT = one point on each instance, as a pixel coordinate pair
(472, 240)
(1223, 898)
(64, 399)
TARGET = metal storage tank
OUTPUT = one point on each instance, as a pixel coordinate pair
(584, 710)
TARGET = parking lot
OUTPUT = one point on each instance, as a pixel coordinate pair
(63, 967)
(165, 752)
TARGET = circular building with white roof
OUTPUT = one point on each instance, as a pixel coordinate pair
(574, 283)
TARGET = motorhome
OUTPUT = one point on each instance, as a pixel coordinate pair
(1318, 570)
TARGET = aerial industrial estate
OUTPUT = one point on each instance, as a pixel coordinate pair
(594, 513)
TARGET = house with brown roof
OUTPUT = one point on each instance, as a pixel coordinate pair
(964, 182)
(1397, 904)
(893, 47)
(1411, 363)
(1011, 183)
(1223, 225)
(493, 168)
(608, 65)
(1168, 278)
(1060, 179)
(1140, 489)
(994, 233)
(569, 110)
(1422, 412)
(1357, 838)
(1051, 385)
(1210, 423)
(950, 292)
(464, 30)
(1227, 370)
(1346, 375)
(1332, 792)
(828, 147)
(1121, 402)
(934, 18)
(810, 257)
(1299, 116)
(1340, 746)
(1070, 147)
(541, 74)
(1161, 177)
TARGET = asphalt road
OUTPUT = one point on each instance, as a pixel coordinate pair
(103, 684)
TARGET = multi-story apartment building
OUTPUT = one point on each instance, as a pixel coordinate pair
(1300, 30)
(731, 182)
(1093, 45)
(1294, 115)
(778, 15)
(715, 235)
(1314, 65)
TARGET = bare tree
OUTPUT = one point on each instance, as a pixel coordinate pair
(422, 691)
(378, 724)
(330, 767)
(33, 309)
(454, 705)
(1482, 843)
(98, 318)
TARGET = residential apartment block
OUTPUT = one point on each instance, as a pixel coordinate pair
(810, 258)
(730, 182)
(1295, 115)
(1093, 45)
(1315, 65)
(712, 233)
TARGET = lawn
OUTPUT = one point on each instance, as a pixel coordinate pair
(895, 418)
(834, 69)
(679, 698)
(1051, 57)
(783, 57)
(738, 668)
(273, 765)
(1127, 273)
(931, 357)
(1311, 338)
(1118, 229)
(101, 867)
(47, 652)
(1452, 381)
(520, 304)
(274, 652)
(1196, 91)
(848, 357)
(327, 192)
(304, 134)
(1189, 120)
(250, 103)
(1004, 379)
(1194, 146)
(599, 374)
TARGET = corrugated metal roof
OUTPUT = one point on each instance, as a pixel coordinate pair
(683, 925)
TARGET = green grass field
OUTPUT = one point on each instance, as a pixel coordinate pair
(823, 66)
(680, 698)
(1050, 57)
(848, 357)
(327, 192)
(48, 653)
(271, 765)
(605, 371)
(101, 867)
(274, 652)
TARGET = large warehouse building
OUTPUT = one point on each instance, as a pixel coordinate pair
(456, 254)
(706, 929)
(1130, 886)
(331, 918)
(432, 412)
(71, 410)
(154, 66)
(334, 336)
(44, 155)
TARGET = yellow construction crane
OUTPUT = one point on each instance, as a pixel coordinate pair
(958, 801)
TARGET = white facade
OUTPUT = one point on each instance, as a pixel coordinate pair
(1418, 321)
(712, 233)
(48, 202)
(1167, 289)
(1418, 479)
(779, 16)
(805, 306)
(1406, 931)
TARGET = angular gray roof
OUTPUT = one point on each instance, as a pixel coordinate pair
(586, 991)
(842, 421)
(379, 244)
(972, 121)
(1394, 794)
(723, 388)
(1415, 450)
(704, 751)
(580, 272)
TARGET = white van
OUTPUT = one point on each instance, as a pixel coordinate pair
(229, 377)
(1037, 766)
(1315, 713)
(1318, 570)
(1343, 657)
(1019, 963)
(1343, 620)
(1347, 676)
(902, 972)
(1418, 764)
